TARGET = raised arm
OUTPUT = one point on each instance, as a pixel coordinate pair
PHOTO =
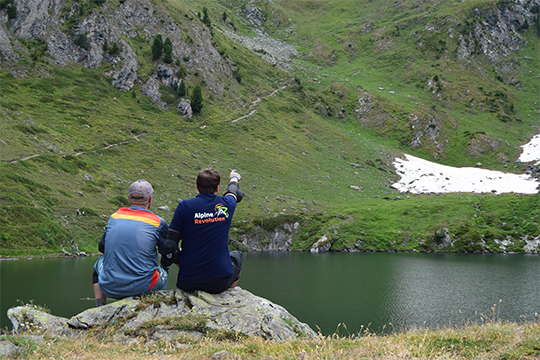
(234, 187)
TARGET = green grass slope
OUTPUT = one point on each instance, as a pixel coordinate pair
(70, 140)
(409, 58)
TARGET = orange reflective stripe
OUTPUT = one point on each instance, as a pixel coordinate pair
(155, 278)
(137, 215)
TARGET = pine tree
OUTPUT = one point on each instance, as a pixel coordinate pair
(157, 47)
(206, 19)
(196, 99)
(182, 91)
(167, 51)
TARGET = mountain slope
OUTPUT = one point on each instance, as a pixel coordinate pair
(436, 77)
(86, 109)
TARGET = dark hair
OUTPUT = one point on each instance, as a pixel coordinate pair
(208, 180)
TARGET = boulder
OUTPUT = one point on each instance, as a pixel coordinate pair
(7, 349)
(165, 74)
(184, 108)
(169, 314)
(322, 245)
(152, 89)
(30, 319)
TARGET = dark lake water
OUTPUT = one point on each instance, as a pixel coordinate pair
(382, 291)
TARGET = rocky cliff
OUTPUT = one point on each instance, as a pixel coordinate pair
(68, 33)
(486, 41)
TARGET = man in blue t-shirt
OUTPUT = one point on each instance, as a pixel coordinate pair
(202, 224)
(130, 244)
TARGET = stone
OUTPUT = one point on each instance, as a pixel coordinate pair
(234, 310)
(221, 355)
(532, 244)
(184, 107)
(151, 89)
(7, 348)
(32, 320)
(322, 245)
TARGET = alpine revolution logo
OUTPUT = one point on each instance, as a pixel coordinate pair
(220, 214)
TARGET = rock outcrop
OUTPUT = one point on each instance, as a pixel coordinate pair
(322, 245)
(81, 36)
(169, 315)
(498, 37)
(279, 239)
(184, 108)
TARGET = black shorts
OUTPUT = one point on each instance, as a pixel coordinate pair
(216, 285)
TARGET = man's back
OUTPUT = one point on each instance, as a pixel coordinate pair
(204, 223)
(130, 256)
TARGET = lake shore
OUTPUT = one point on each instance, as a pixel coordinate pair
(62, 256)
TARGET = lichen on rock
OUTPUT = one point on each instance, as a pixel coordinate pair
(171, 314)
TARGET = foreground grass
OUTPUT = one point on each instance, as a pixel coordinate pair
(490, 340)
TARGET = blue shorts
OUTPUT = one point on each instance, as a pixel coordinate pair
(159, 277)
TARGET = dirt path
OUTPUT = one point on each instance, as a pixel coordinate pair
(356, 73)
(256, 101)
(136, 137)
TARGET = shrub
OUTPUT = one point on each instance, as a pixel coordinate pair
(82, 41)
(167, 51)
(157, 47)
(237, 75)
(114, 50)
(182, 72)
(197, 99)
(10, 5)
(119, 201)
(4, 4)
(182, 91)
(88, 212)
(206, 19)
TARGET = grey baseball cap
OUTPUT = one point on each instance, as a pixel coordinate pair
(140, 191)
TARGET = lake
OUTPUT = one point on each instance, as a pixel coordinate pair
(333, 292)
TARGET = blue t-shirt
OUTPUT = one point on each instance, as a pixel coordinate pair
(130, 255)
(203, 223)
